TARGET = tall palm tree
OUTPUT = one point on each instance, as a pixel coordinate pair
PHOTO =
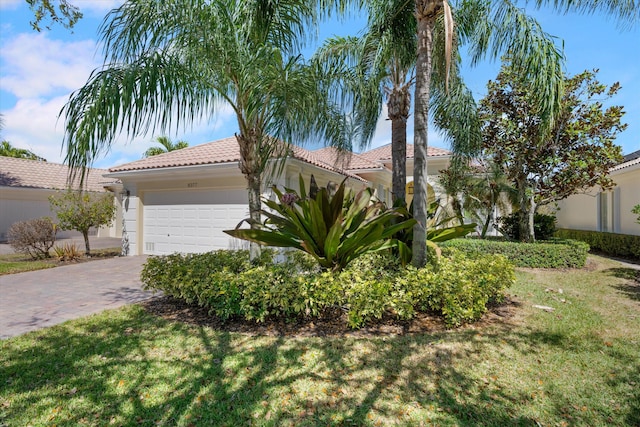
(382, 60)
(490, 28)
(170, 62)
(381, 67)
(166, 146)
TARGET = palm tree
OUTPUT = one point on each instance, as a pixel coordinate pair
(488, 189)
(490, 28)
(166, 146)
(168, 63)
(7, 150)
(380, 64)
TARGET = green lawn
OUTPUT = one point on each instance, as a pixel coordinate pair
(19, 263)
(576, 366)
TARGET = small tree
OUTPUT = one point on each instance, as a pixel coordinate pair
(636, 210)
(81, 210)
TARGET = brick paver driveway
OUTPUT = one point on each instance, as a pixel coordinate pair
(37, 299)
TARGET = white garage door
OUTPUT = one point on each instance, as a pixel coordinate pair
(192, 221)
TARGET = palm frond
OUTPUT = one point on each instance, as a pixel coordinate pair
(493, 29)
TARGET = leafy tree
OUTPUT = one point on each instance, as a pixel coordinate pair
(65, 14)
(7, 150)
(574, 154)
(166, 146)
(168, 63)
(455, 182)
(82, 210)
(636, 210)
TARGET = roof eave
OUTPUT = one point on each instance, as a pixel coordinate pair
(169, 170)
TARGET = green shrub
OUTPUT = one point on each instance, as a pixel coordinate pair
(543, 226)
(209, 279)
(555, 253)
(464, 286)
(624, 245)
(374, 285)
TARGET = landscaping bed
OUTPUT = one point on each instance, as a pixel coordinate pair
(331, 323)
(575, 365)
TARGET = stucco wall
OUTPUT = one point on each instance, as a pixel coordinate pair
(21, 204)
(579, 212)
(608, 211)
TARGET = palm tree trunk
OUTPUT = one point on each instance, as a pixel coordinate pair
(398, 106)
(250, 168)
(425, 13)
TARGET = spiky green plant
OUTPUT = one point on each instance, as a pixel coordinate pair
(334, 229)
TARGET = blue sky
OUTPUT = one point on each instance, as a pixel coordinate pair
(38, 71)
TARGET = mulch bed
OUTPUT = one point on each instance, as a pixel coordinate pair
(331, 324)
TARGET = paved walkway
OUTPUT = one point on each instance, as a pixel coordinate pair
(37, 299)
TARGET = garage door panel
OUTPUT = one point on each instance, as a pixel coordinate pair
(192, 221)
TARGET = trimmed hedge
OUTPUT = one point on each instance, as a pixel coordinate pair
(624, 245)
(458, 287)
(555, 253)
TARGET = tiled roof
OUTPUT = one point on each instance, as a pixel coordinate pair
(384, 152)
(36, 174)
(222, 151)
(627, 164)
(345, 160)
(631, 156)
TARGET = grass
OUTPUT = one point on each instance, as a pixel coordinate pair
(19, 263)
(576, 366)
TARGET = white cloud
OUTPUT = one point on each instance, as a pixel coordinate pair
(31, 124)
(9, 4)
(34, 65)
(96, 5)
(41, 73)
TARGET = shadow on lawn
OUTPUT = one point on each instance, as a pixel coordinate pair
(631, 287)
(115, 371)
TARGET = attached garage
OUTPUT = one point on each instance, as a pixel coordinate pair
(192, 221)
(182, 201)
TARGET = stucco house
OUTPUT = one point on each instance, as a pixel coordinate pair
(607, 211)
(182, 201)
(25, 187)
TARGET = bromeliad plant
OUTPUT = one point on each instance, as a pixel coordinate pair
(334, 229)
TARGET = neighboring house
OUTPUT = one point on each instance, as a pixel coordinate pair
(25, 187)
(608, 211)
(183, 200)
